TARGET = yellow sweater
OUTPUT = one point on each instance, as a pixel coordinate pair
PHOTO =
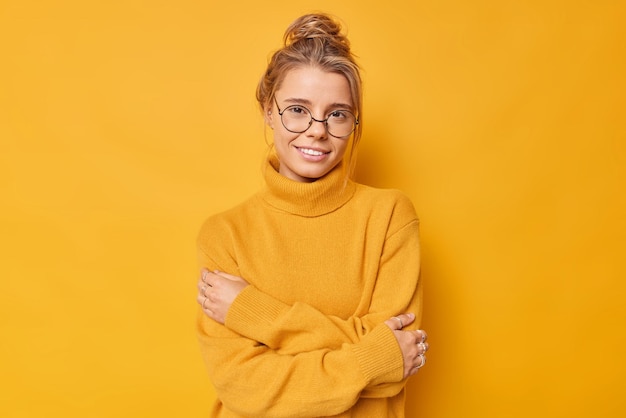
(327, 264)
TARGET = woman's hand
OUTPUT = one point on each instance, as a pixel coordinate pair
(217, 291)
(412, 343)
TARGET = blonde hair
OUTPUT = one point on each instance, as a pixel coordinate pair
(315, 40)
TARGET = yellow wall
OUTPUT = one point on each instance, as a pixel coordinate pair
(124, 123)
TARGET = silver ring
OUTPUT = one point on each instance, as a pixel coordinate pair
(424, 335)
(422, 346)
(203, 290)
(423, 357)
(399, 320)
(204, 274)
(205, 299)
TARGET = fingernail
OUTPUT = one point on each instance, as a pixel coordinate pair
(412, 315)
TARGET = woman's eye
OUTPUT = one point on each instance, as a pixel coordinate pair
(338, 114)
(298, 110)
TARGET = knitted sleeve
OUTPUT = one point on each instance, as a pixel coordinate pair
(300, 328)
(252, 379)
(291, 329)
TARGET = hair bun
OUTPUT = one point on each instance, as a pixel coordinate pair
(312, 26)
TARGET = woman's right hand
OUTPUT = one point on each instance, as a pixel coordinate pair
(412, 343)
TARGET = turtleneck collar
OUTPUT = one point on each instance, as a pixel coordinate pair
(320, 197)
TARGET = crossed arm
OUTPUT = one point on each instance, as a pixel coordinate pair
(247, 333)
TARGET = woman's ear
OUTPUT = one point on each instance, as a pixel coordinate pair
(269, 117)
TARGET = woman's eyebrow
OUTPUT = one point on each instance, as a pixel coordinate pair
(299, 101)
(339, 105)
(336, 105)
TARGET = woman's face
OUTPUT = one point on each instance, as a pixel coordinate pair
(309, 155)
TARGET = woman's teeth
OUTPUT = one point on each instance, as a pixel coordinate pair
(311, 151)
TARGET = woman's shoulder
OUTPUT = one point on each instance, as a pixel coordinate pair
(225, 219)
(378, 195)
(393, 202)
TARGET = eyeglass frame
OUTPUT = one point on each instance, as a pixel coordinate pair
(324, 121)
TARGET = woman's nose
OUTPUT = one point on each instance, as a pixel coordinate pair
(318, 128)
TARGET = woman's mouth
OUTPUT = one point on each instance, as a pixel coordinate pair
(309, 151)
(312, 154)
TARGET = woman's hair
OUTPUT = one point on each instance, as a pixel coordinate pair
(314, 40)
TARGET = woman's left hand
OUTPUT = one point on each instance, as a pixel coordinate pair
(217, 291)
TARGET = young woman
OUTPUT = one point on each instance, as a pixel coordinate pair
(309, 290)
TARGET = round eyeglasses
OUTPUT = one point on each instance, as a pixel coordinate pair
(296, 118)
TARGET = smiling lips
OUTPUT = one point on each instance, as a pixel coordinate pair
(312, 154)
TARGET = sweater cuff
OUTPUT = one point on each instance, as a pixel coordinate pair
(379, 356)
(253, 311)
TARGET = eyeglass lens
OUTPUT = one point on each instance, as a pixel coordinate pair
(297, 119)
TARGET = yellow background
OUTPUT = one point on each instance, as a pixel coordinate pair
(123, 124)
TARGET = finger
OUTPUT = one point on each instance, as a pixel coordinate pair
(205, 305)
(228, 276)
(416, 369)
(203, 275)
(210, 278)
(421, 335)
(200, 282)
(399, 321)
(394, 323)
(422, 361)
(225, 275)
(200, 299)
(405, 319)
(208, 303)
(423, 347)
